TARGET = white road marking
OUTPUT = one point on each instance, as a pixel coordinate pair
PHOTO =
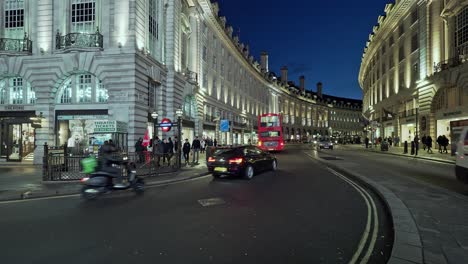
(371, 213)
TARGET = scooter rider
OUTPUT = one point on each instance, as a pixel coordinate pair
(107, 160)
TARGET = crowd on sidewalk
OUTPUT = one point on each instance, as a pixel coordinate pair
(414, 146)
(165, 149)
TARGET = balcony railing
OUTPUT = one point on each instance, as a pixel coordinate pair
(79, 40)
(461, 57)
(192, 77)
(9, 45)
(463, 52)
(408, 113)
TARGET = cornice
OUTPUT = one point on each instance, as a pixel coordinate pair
(394, 14)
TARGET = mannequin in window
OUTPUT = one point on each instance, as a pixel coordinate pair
(71, 145)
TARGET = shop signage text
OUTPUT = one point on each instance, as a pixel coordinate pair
(14, 107)
(106, 126)
(453, 113)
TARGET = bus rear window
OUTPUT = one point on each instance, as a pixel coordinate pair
(269, 121)
(270, 134)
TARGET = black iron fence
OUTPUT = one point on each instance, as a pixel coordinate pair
(58, 165)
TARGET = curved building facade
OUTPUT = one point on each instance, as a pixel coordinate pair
(413, 73)
(78, 61)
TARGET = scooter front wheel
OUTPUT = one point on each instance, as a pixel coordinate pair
(139, 186)
(89, 193)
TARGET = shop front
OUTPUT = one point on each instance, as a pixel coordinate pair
(17, 135)
(75, 129)
(408, 130)
(445, 121)
(389, 130)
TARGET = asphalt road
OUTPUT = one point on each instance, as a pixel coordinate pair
(434, 173)
(302, 213)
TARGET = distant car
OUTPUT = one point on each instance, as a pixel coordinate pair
(461, 165)
(325, 144)
(243, 161)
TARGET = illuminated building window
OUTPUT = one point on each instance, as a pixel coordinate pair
(14, 19)
(461, 32)
(414, 16)
(82, 88)
(414, 43)
(83, 16)
(15, 90)
(205, 53)
(401, 29)
(391, 41)
(401, 53)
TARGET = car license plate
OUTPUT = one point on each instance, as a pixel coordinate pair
(220, 169)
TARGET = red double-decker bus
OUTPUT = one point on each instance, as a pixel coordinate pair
(270, 132)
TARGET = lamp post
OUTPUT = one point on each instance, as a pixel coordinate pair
(154, 115)
(179, 114)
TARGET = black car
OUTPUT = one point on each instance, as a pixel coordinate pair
(240, 161)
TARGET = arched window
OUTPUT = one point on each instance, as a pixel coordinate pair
(82, 88)
(15, 90)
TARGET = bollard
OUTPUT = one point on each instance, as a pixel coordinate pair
(413, 147)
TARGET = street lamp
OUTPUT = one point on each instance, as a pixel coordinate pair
(179, 114)
(154, 115)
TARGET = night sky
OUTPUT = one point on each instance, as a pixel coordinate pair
(321, 39)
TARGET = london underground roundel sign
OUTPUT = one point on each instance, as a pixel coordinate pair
(165, 125)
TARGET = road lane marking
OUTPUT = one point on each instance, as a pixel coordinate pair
(78, 195)
(211, 201)
(372, 219)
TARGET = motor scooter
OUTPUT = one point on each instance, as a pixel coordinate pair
(102, 182)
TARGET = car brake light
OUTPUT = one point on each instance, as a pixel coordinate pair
(281, 143)
(211, 159)
(236, 161)
(259, 143)
(85, 179)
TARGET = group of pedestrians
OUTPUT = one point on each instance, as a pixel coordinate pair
(427, 143)
(161, 148)
(443, 141)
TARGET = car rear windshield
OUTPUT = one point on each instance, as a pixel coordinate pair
(233, 151)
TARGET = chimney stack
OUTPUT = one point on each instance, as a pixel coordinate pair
(284, 75)
(319, 89)
(302, 83)
(264, 62)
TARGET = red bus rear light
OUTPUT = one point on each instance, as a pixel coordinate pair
(236, 161)
(211, 159)
(281, 143)
(259, 143)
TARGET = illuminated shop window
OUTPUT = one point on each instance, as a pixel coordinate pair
(15, 90)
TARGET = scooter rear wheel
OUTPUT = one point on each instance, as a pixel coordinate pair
(87, 194)
(139, 187)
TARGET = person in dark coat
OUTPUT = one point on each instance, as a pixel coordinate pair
(196, 145)
(423, 141)
(366, 141)
(186, 150)
(439, 142)
(445, 143)
(139, 148)
(215, 142)
(429, 144)
(416, 145)
(158, 150)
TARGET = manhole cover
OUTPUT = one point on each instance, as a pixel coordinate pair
(331, 158)
(211, 202)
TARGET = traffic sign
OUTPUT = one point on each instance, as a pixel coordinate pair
(224, 126)
(165, 125)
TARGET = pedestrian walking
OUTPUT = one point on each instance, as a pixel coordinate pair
(209, 142)
(423, 141)
(366, 141)
(215, 142)
(203, 146)
(429, 144)
(165, 151)
(139, 148)
(196, 145)
(445, 143)
(390, 141)
(397, 141)
(440, 143)
(158, 151)
(416, 145)
(170, 150)
(186, 150)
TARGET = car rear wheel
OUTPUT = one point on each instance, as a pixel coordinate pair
(216, 176)
(249, 172)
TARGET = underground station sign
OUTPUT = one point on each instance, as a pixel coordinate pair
(165, 125)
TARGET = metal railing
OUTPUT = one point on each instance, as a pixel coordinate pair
(60, 167)
(16, 45)
(460, 58)
(79, 40)
(408, 113)
(192, 77)
(463, 52)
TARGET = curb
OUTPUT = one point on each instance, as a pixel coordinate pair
(407, 245)
(412, 156)
(29, 195)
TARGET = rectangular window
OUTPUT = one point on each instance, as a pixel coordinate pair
(205, 53)
(66, 97)
(384, 49)
(31, 94)
(222, 69)
(215, 62)
(153, 19)
(401, 29)
(84, 88)
(14, 19)
(391, 61)
(415, 75)
(401, 78)
(414, 43)
(3, 92)
(414, 16)
(83, 16)
(461, 32)
(401, 54)
(391, 41)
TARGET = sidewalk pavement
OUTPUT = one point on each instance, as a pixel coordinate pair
(18, 182)
(398, 151)
(430, 223)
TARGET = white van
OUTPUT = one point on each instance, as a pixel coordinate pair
(461, 167)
